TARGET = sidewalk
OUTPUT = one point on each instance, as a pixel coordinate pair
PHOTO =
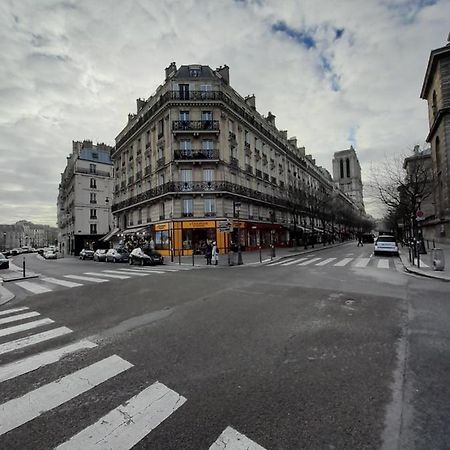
(15, 273)
(426, 269)
(251, 258)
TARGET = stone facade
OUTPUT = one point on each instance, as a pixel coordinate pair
(347, 175)
(24, 233)
(436, 90)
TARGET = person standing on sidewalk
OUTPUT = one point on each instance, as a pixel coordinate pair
(208, 253)
(215, 253)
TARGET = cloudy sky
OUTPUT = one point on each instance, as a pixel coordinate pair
(334, 73)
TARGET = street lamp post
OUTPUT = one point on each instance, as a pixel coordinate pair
(4, 241)
(237, 209)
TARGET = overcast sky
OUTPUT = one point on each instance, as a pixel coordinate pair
(334, 73)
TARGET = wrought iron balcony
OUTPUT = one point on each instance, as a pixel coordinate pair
(102, 173)
(273, 180)
(147, 171)
(258, 173)
(196, 154)
(234, 163)
(195, 125)
(210, 214)
(130, 180)
(249, 169)
(195, 95)
(266, 176)
(161, 162)
(138, 176)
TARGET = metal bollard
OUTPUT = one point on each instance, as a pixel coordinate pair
(23, 266)
(179, 258)
(260, 255)
(193, 257)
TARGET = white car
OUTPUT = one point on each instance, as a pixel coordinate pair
(385, 244)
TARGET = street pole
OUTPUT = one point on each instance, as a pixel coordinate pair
(237, 208)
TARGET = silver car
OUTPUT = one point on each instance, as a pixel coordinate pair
(117, 255)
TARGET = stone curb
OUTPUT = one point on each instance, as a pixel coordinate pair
(5, 295)
(412, 269)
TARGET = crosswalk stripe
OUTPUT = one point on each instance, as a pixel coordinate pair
(282, 261)
(35, 288)
(383, 264)
(12, 310)
(33, 339)
(293, 262)
(69, 284)
(152, 269)
(21, 410)
(309, 261)
(35, 362)
(361, 262)
(233, 440)
(24, 326)
(325, 261)
(126, 425)
(139, 273)
(93, 279)
(343, 262)
(19, 317)
(109, 275)
(117, 272)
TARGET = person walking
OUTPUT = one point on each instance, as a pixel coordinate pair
(208, 253)
(360, 240)
(215, 253)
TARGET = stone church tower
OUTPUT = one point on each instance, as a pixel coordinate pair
(347, 175)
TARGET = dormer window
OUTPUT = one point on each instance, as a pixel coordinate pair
(194, 72)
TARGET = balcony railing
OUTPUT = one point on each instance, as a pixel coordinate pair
(258, 173)
(266, 176)
(147, 171)
(195, 95)
(210, 214)
(196, 154)
(102, 173)
(122, 185)
(273, 180)
(161, 162)
(195, 125)
(138, 176)
(130, 180)
(249, 169)
(234, 163)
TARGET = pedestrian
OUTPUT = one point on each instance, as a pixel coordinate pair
(152, 244)
(360, 240)
(208, 253)
(231, 253)
(215, 253)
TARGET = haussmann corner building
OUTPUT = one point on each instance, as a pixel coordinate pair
(197, 156)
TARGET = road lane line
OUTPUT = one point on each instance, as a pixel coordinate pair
(325, 261)
(26, 365)
(12, 310)
(25, 326)
(343, 262)
(21, 410)
(34, 288)
(126, 425)
(361, 262)
(383, 264)
(69, 284)
(79, 277)
(233, 440)
(309, 261)
(109, 275)
(282, 261)
(19, 317)
(293, 262)
(139, 273)
(33, 339)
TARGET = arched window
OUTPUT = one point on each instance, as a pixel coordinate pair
(341, 166)
(347, 166)
(434, 104)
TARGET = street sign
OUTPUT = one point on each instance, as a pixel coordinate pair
(420, 215)
(224, 226)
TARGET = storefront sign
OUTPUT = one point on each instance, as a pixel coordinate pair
(161, 226)
(199, 224)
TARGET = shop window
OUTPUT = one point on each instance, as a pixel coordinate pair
(196, 239)
(162, 240)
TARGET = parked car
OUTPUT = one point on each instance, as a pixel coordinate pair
(50, 254)
(385, 244)
(4, 262)
(100, 255)
(41, 251)
(86, 254)
(16, 251)
(117, 255)
(145, 256)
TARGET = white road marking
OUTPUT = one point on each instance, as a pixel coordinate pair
(325, 261)
(309, 261)
(343, 262)
(35, 288)
(12, 310)
(362, 262)
(21, 410)
(293, 262)
(282, 261)
(109, 275)
(34, 362)
(25, 326)
(383, 264)
(33, 339)
(19, 317)
(152, 269)
(231, 439)
(126, 425)
(69, 284)
(139, 273)
(79, 277)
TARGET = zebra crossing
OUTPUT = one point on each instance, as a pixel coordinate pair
(347, 262)
(122, 427)
(47, 284)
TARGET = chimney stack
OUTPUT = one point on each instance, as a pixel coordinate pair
(251, 101)
(224, 72)
(170, 71)
(284, 134)
(140, 103)
(293, 141)
(271, 118)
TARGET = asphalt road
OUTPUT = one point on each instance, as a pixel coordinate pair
(310, 356)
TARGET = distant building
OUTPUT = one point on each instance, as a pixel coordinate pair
(436, 90)
(24, 233)
(347, 175)
(85, 197)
